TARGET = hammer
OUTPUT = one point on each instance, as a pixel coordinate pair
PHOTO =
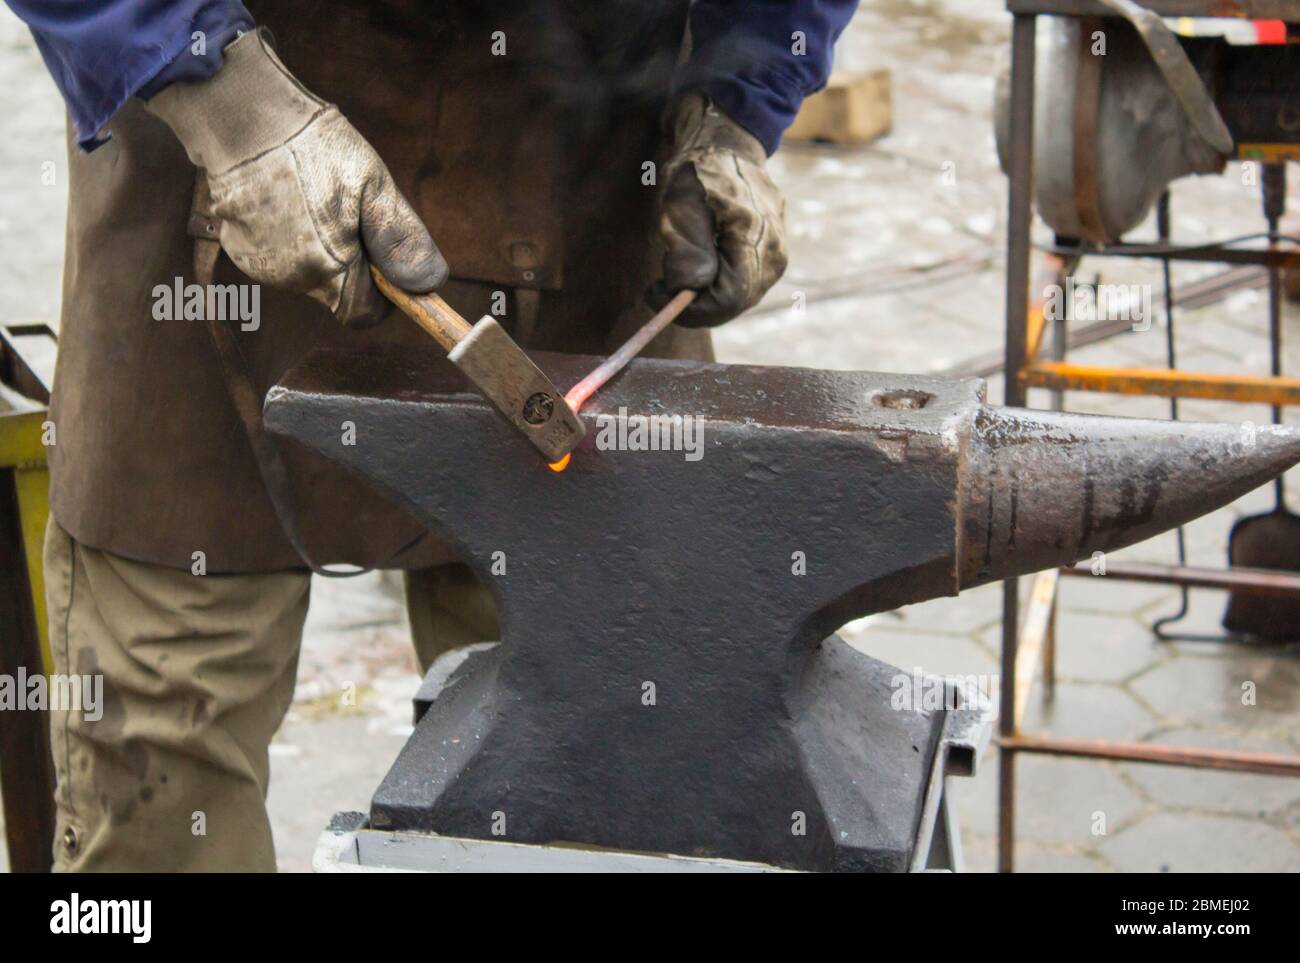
(498, 367)
(507, 377)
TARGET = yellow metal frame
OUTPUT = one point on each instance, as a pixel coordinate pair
(1269, 153)
(1063, 376)
(22, 448)
(1035, 372)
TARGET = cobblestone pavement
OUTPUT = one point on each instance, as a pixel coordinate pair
(897, 255)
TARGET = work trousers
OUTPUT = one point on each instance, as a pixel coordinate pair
(170, 771)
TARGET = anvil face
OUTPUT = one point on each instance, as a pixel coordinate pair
(662, 682)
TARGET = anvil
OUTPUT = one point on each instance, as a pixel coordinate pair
(665, 681)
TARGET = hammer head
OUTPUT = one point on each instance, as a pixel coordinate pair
(507, 377)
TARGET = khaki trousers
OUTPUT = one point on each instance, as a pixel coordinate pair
(198, 673)
(447, 607)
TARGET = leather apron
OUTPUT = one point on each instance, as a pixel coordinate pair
(527, 168)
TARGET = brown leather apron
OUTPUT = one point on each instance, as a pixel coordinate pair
(526, 168)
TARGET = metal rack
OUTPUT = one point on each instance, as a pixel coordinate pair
(1027, 644)
(26, 368)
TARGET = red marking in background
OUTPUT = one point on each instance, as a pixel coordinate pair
(1270, 31)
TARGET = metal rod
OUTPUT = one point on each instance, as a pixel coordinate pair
(1064, 268)
(1161, 382)
(617, 361)
(1164, 232)
(1019, 203)
(1271, 764)
(1246, 581)
(1284, 255)
(1020, 199)
(1274, 197)
(1247, 9)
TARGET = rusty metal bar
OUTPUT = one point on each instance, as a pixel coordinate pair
(1020, 193)
(1250, 581)
(1044, 591)
(1228, 760)
(1249, 389)
(1288, 10)
(1284, 257)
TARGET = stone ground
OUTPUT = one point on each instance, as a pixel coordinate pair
(901, 269)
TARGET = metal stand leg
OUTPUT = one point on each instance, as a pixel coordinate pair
(1019, 211)
(1274, 208)
(1171, 359)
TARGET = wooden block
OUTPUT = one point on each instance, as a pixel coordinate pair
(854, 108)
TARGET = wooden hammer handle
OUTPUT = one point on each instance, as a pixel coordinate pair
(427, 310)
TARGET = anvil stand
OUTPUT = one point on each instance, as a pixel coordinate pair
(1028, 638)
(26, 373)
(350, 844)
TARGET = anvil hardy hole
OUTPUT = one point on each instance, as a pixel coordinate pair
(907, 398)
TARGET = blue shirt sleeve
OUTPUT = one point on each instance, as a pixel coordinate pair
(758, 59)
(102, 52)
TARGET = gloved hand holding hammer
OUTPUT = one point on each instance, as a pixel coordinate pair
(305, 201)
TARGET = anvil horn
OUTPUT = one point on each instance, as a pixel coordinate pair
(1041, 489)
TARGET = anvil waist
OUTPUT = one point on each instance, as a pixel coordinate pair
(526, 190)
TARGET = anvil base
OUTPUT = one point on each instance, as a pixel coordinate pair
(900, 753)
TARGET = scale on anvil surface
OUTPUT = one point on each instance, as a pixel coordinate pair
(643, 568)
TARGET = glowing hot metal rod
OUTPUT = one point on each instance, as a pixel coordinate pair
(617, 361)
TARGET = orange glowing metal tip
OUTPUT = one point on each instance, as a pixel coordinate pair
(616, 362)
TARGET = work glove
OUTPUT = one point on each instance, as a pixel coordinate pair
(721, 218)
(305, 202)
